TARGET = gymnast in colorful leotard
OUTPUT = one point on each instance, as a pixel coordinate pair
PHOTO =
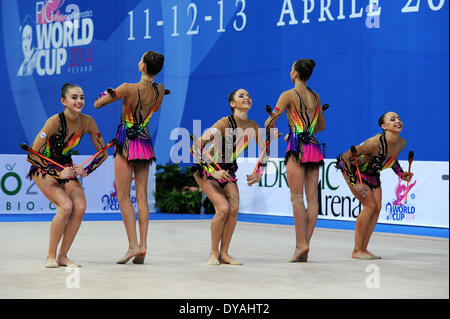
(60, 134)
(215, 174)
(303, 155)
(372, 156)
(134, 150)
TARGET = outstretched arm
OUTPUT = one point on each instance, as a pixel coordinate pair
(110, 95)
(263, 145)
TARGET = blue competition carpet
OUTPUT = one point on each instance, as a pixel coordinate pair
(276, 220)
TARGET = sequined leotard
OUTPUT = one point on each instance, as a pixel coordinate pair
(303, 145)
(134, 141)
(56, 142)
(372, 158)
(231, 146)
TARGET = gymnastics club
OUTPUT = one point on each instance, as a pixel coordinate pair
(25, 147)
(268, 110)
(260, 157)
(410, 160)
(111, 143)
(194, 140)
(353, 150)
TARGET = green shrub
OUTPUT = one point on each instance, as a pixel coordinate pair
(177, 192)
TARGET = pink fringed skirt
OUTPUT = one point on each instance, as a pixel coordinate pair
(304, 149)
(136, 147)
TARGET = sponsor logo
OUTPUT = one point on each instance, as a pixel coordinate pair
(397, 209)
(56, 39)
(11, 185)
(110, 201)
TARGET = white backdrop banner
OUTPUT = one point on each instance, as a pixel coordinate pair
(20, 195)
(427, 204)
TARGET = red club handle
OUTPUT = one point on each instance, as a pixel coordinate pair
(410, 160)
(112, 143)
(30, 150)
(195, 142)
(354, 153)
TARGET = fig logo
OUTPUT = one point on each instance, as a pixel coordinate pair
(53, 39)
(28, 49)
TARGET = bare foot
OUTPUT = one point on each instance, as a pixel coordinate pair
(63, 261)
(140, 257)
(213, 259)
(227, 259)
(130, 254)
(300, 255)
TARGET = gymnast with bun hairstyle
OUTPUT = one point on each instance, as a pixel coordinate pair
(303, 155)
(60, 134)
(215, 154)
(134, 149)
(361, 167)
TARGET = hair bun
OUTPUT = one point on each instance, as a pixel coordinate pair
(304, 67)
(312, 63)
(158, 58)
(154, 62)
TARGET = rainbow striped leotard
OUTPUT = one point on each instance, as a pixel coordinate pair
(134, 141)
(369, 167)
(58, 148)
(303, 145)
(231, 148)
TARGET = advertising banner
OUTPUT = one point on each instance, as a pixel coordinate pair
(427, 202)
(20, 195)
